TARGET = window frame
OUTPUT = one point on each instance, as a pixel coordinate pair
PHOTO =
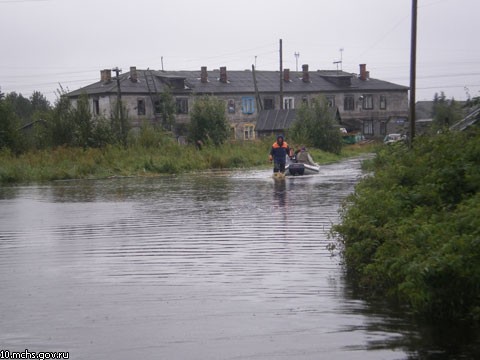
(181, 105)
(248, 132)
(96, 106)
(350, 101)
(290, 100)
(367, 103)
(141, 107)
(383, 102)
(383, 128)
(231, 108)
(330, 100)
(270, 101)
(368, 127)
(248, 105)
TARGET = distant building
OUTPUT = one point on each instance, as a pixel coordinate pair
(366, 105)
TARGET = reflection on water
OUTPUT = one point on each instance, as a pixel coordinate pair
(218, 265)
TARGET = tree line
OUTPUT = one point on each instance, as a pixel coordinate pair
(29, 124)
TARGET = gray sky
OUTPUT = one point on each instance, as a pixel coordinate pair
(47, 42)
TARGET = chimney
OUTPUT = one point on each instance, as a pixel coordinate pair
(223, 74)
(106, 76)
(306, 75)
(133, 74)
(203, 75)
(286, 75)
(363, 72)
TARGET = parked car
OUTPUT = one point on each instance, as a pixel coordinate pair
(393, 138)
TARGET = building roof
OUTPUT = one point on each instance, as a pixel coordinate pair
(238, 82)
(272, 120)
(275, 120)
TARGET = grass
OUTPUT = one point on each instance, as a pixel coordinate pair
(168, 158)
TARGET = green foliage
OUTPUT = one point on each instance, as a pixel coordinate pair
(39, 102)
(20, 105)
(61, 125)
(120, 124)
(166, 109)
(316, 126)
(208, 122)
(83, 123)
(411, 230)
(9, 136)
(445, 112)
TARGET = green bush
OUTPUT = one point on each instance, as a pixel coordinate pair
(411, 230)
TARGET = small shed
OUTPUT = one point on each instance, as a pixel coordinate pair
(272, 122)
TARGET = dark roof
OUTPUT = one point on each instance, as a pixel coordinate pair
(271, 120)
(238, 82)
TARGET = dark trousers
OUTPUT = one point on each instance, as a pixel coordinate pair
(279, 166)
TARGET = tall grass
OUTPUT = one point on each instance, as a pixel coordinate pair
(146, 156)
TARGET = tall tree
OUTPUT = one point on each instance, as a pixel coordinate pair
(61, 127)
(166, 109)
(445, 112)
(83, 122)
(21, 106)
(39, 102)
(208, 122)
(316, 126)
(9, 135)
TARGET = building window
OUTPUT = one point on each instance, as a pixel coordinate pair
(288, 103)
(248, 132)
(140, 107)
(349, 103)
(368, 127)
(248, 105)
(383, 102)
(331, 101)
(383, 128)
(232, 132)
(182, 105)
(268, 104)
(96, 106)
(231, 106)
(305, 100)
(157, 107)
(367, 102)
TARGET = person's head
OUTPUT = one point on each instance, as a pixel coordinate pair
(279, 139)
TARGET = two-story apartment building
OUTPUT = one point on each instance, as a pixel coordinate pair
(367, 105)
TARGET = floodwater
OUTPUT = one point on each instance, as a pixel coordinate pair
(216, 265)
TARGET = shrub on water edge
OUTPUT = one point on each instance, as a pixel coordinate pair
(411, 230)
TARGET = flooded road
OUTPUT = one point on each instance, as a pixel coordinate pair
(221, 265)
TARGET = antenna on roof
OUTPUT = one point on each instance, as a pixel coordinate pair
(340, 61)
(341, 58)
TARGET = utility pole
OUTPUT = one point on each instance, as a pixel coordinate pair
(297, 54)
(255, 85)
(281, 76)
(123, 129)
(413, 60)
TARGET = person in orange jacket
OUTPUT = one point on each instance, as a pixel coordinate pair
(278, 154)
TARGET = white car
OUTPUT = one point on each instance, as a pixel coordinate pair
(393, 138)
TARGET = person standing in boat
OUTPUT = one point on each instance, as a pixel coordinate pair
(304, 157)
(278, 154)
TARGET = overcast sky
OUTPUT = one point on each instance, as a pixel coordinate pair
(45, 43)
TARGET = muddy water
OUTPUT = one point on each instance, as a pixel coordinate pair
(223, 265)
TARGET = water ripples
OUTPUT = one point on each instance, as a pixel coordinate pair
(202, 251)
